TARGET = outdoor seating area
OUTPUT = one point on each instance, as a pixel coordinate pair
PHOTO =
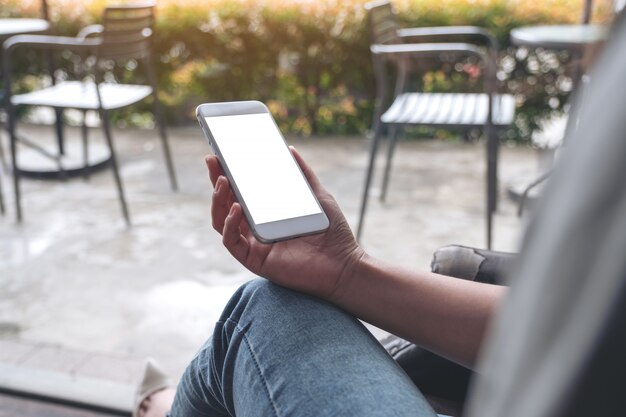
(116, 295)
(423, 128)
(125, 34)
(405, 48)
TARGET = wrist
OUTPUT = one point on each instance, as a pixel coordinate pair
(350, 273)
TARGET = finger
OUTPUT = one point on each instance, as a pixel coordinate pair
(220, 204)
(232, 238)
(214, 167)
(327, 201)
(216, 171)
(231, 196)
(308, 172)
(245, 229)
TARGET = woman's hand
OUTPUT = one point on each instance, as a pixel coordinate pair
(443, 314)
(316, 264)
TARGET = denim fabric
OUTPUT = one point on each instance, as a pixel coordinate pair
(276, 352)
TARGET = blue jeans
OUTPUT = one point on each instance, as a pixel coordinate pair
(277, 352)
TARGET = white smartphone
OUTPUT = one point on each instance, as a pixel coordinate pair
(275, 196)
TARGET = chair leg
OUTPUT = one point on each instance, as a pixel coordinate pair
(85, 140)
(528, 189)
(2, 208)
(492, 181)
(118, 182)
(391, 146)
(489, 229)
(58, 127)
(3, 162)
(16, 171)
(2, 167)
(158, 115)
(368, 179)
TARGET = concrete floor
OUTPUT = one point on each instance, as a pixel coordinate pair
(15, 406)
(73, 277)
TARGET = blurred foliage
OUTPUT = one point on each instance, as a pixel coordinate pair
(309, 60)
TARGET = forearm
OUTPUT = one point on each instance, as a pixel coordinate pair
(446, 315)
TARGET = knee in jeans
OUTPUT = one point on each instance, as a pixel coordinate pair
(253, 294)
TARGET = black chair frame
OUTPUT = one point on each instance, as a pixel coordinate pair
(126, 33)
(401, 49)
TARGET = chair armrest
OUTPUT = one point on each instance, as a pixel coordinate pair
(40, 42)
(401, 54)
(473, 264)
(416, 50)
(49, 42)
(89, 31)
(448, 32)
(425, 49)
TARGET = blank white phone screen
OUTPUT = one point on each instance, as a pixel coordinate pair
(268, 178)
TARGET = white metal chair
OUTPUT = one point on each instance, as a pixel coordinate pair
(402, 48)
(125, 34)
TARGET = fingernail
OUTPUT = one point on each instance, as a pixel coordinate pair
(218, 185)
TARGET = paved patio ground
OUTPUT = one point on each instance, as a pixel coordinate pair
(83, 296)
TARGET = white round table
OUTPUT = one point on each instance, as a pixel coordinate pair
(560, 37)
(18, 26)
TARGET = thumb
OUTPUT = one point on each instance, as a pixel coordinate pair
(308, 172)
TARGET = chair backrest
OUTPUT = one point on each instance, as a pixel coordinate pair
(127, 31)
(44, 10)
(382, 22)
(586, 16)
(616, 5)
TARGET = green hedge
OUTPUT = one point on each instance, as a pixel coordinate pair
(309, 60)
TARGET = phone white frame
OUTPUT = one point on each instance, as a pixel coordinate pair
(271, 231)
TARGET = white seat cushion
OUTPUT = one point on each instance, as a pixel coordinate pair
(449, 109)
(82, 95)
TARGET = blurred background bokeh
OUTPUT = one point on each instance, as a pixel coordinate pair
(310, 60)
